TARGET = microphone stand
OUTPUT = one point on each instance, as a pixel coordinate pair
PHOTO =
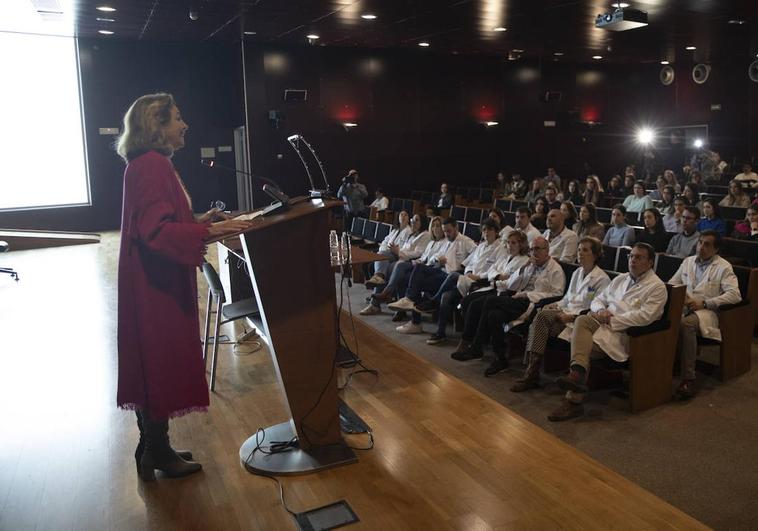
(294, 141)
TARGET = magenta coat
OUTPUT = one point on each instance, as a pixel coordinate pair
(160, 366)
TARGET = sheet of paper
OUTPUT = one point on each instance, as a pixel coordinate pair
(249, 216)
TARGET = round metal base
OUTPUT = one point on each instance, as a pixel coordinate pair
(294, 461)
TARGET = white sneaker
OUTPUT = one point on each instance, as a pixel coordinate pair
(410, 328)
(404, 304)
(370, 310)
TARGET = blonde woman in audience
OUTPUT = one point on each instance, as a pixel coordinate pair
(593, 192)
(588, 225)
(736, 197)
(671, 180)
(398, 279)
(554, 320)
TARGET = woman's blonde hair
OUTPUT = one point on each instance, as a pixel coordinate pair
(143, 126)
(432, 221)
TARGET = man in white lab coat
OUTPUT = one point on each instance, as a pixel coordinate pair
(636, 298)
(563, 241)
(710, 282)
(524, 224)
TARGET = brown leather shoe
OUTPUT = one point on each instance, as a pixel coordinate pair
(686, 390)
(567, 411)
(531, 377)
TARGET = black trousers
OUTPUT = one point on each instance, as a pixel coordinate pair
(493, 312)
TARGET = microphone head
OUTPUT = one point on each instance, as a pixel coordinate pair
(206, 162)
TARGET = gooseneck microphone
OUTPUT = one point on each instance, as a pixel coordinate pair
(271, 188)
(213, 164)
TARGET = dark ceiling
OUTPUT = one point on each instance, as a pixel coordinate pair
(540, 29)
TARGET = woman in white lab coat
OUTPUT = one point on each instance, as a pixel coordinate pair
(555, 319)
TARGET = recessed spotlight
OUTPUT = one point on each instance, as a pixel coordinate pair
(105, 32)
(313, 36)
(490, 123)
(424, 44)
(249, 33)
(105, 19)
(664, 62)
(690, 48)
(107, 9)
(645, 136)
(499, 28)
(597, 56)
(349, 124)
(368, 16)
(737, 21)
(558, 53)
(516, 50)
(620, 5)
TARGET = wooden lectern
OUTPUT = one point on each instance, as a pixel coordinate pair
(287, 255)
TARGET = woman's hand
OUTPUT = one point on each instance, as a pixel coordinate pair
(229, 226)
(214, 214)
(566, 318)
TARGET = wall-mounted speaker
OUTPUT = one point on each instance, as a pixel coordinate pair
(752, 71)
(667, 75)
(295, 95)
(700, 73)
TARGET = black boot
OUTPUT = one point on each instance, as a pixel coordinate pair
(158, 455)
(499, 364)
(184, 454)
(531, 377)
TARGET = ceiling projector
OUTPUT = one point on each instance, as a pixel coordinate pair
(622, 19)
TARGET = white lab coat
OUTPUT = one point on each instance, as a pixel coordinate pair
(531, 232)
(414, 245)
(478, 263)
(455, 252)
(432, 250)
(718, 285)
(550, 282)
(381, 203)
(581, 292)
(564, 245)
(632, 304)
(396, 236)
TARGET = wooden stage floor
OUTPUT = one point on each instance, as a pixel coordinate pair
(446, 456)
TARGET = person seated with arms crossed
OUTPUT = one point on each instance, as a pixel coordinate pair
(563, 242)
(588, 225)
(711, 219)
(748, 176)
(619, 234)
(512, 257)
(684, 243)
(736, 196)
(711, 283)
(428, 277)
(408, 255)
(380, 202)
(632, 299)
(524, 224)
(486, 317)
(390, 247)
(593, 192)
(638, 201)
(445, 200)
(653, 232)
(476, 266)
(748, 229)
(672, 218)
(554, 320)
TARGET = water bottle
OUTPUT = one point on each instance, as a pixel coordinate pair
(334, 248)
(345, 248)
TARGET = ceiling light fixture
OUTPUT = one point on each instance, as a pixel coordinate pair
(424, 44)
(690, 48)
(249, 32)
(499, 28)
(107, 9)
(490, 123)
(664, 62)
(597, 56)
(558, 54)
(368, 16)
(621, 5)
(105, 32)
(737, 21)
(645, 136)
(313, 36)
(105, 19)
